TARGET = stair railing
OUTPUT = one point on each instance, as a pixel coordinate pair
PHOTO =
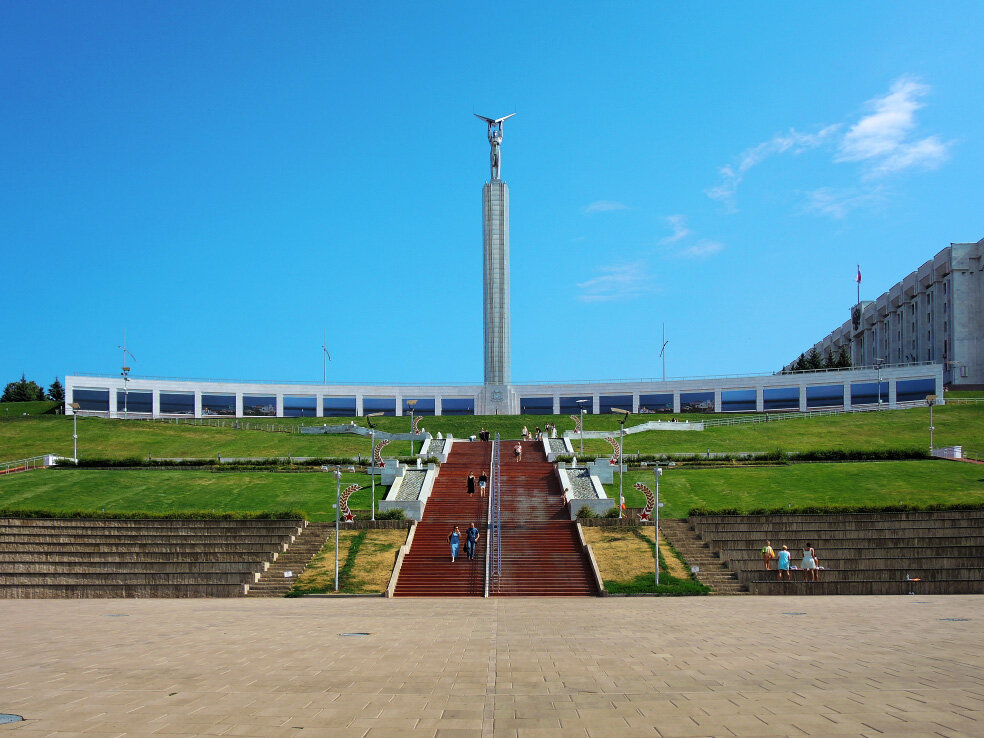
(493, 561)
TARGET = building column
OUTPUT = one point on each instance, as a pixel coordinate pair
(892, 401)
(398, 404)
(802, 407)
(155, 403)
(759, 399)
(198, 404)
(595, 404)
(280, 405)
(717, 400)
(437, 404)
(847, 395)
(556, 404)
(676, 401)
(319, 406)
(358, 404)
(239, 404)
(69, 399)
(112, 402)
(635, 402)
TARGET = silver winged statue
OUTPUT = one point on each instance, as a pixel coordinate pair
(495, 138)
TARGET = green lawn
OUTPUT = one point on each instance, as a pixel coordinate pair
(866, 483)
(16, 409)
(167, 491)
(955, 424)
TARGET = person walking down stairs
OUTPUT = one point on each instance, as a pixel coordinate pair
(454, 539)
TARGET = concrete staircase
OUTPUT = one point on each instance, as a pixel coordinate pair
(862, 553)
(541, 552)
(713, 573)
(272, 582)
(77, 558)
(427, 570)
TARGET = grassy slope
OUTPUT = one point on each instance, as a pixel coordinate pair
(868, 483)
(15, 409)
(962, 424)
(164, 491)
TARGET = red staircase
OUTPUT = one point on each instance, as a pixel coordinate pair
(541, 554)
(427, 570)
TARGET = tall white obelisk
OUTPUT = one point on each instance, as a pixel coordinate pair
(495, 273)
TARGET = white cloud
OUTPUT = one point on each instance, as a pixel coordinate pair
(701, 250)
(617, 282)
(838, 203)
(880, 140)
(680, 230)
(793, 141)
(604, 206)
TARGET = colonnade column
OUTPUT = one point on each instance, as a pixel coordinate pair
(635, 402)
(556, 404)
(358, 404)
(280, 405)
(155, 403)
(70, 398)
(112, 402)
(398, 404)
(717, 400)
(437, 404)
(759, 399)
(595, 404)
(198, 403)
(239, 404)
(676, 401)
(802, 402)
(892, 397)
(319, 406)
(847, 395)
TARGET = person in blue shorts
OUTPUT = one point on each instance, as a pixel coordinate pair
(454, 539)
(783, 564)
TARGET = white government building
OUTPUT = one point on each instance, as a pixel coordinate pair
(935, 314)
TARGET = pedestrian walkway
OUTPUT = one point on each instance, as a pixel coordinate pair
(511, 667)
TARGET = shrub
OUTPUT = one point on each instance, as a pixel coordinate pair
(586, 513)
(391, 514)
(703, 510)
(613, 513)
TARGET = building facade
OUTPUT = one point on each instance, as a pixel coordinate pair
(146, 397)
(935, 314)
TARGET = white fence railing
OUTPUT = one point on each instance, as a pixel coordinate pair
(18, 465)
(768, 417)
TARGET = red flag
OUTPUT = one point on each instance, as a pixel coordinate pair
(858, 278)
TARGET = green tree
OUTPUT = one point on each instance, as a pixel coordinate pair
(56, 392)
(829, 362)
(843, 358)
(813, 359)
(22, 391)
(800, 365)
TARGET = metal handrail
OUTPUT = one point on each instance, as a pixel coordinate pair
(660, 380)
(32, 462)
(493, 562)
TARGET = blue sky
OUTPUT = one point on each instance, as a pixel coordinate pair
(227, 180)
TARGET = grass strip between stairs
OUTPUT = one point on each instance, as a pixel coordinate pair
(625, 560)
(366, 562)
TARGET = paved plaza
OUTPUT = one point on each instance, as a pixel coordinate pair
(702, 666)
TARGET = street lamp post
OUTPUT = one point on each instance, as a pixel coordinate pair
(878, 366)
(658, 472)
(931, 400)
(338, 493)
(411, 404)
(580, 407)
(372, 458)
(75, 431)
(621, 455)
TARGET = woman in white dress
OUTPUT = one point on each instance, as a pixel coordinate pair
(809, 564)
